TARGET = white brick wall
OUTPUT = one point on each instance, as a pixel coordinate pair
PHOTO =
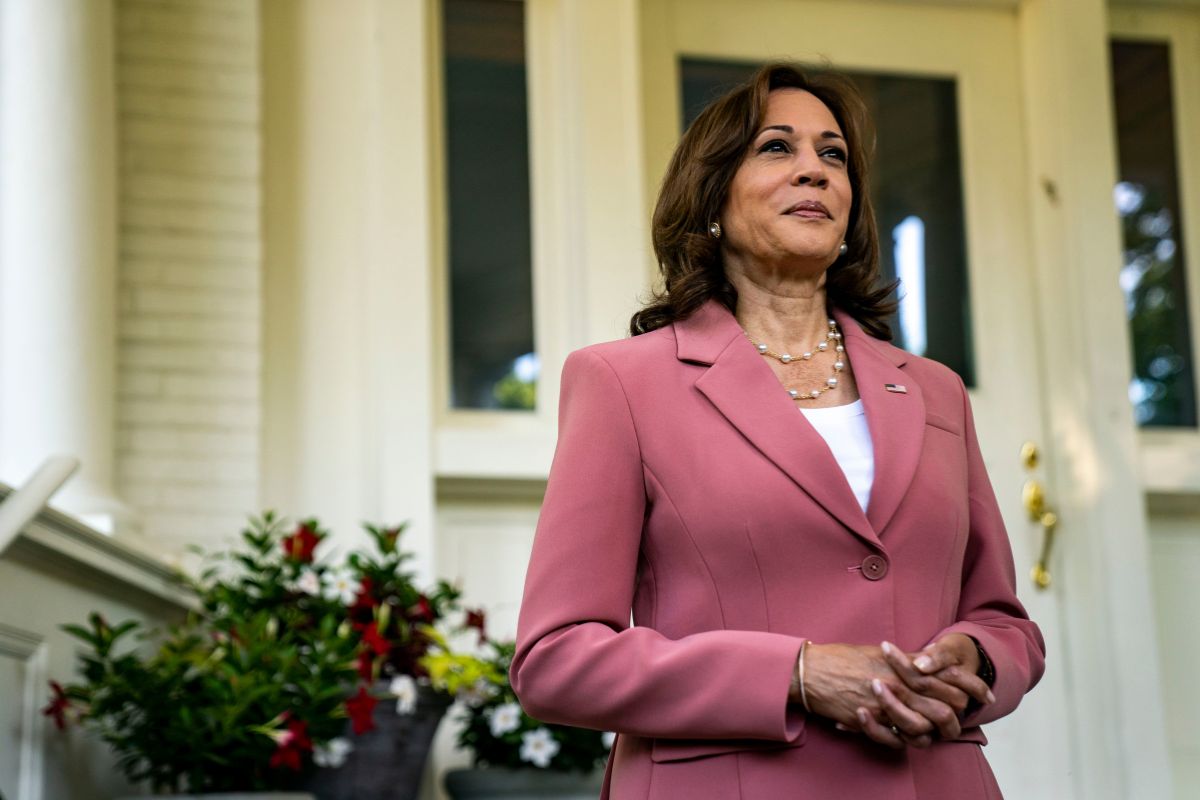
(190, 266)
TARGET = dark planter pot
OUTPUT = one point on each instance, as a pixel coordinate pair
(227, 796)
(388, 762)
(522, 784)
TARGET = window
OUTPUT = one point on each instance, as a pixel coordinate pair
(918, 197)
(1153, 276)
(492, 358)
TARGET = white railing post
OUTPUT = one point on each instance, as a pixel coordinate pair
(28, 501)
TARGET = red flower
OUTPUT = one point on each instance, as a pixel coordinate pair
(478, 620)
(301, 544)
(366, 663)
(360, 707)
(422, 611)
(56, 709)
(365, 604)
(390, 536)
(374, 640)
(291, 746)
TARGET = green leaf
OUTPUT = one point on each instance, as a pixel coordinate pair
(124, 628)
(80, 632)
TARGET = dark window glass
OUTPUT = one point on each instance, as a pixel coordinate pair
(1152, 274)
(493, 364)
(917, 191)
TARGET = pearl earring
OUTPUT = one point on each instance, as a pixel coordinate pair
(843, 249)
(714, 229)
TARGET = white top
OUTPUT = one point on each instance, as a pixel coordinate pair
(844, 429)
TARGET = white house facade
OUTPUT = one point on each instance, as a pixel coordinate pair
(262, 254)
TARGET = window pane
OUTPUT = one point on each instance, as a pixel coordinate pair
(1147, 199)
(917, 192)
(493, 364)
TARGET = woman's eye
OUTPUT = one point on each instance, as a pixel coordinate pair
(775, 146)
(835, 152)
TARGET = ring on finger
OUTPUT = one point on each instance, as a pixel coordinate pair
(895, 731)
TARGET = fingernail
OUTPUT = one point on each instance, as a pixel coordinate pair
(991, 698)
(923, 663)
(886, 647)
(842, 727)
(862, 716)
(876, 686)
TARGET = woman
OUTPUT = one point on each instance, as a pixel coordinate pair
(823, 599)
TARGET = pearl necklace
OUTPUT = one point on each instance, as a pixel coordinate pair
(831, 383)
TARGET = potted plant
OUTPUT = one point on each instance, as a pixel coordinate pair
(514, 755)
(276, 679)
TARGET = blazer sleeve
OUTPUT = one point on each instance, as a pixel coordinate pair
(988, 607)
(578, 661)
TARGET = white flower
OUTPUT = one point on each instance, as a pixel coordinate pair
(505, 718)
(538, 747)
(132, 715)
(477, 694)
(405, 690)
(309, 582)
(342, 587)
(333, 754)
(608, 737)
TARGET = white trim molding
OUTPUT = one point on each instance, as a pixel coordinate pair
(68, 543)
(30, 650)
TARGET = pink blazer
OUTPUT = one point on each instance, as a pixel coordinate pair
(688, 491)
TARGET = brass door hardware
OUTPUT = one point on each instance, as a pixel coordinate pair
(1029, 455)
(1033, 498)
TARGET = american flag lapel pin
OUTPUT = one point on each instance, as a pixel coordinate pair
(898, 388)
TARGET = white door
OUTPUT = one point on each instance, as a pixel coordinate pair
(974, 51)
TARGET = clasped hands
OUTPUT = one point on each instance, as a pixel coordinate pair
(895, 698)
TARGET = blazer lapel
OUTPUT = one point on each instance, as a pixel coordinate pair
(896, 419)
(746, 392)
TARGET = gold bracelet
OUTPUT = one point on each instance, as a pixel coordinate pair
(800, 675)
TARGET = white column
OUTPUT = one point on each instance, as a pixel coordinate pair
(58, 246)
(347, 380)
(591, 219)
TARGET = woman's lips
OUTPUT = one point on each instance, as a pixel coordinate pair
(810, 209)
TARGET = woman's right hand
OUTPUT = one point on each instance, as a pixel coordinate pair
(851, 684)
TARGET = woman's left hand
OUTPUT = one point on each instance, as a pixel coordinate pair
(952, 659)
(935, 685)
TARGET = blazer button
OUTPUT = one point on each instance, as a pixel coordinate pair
(874, 567)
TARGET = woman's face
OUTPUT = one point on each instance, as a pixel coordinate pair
(789, 202)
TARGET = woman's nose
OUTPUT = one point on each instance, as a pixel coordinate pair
(809, 169)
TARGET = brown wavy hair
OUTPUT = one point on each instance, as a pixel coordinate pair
(697, 182)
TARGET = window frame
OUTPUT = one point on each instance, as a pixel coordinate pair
(1170, 458)
(590, 254)
(487, 443)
